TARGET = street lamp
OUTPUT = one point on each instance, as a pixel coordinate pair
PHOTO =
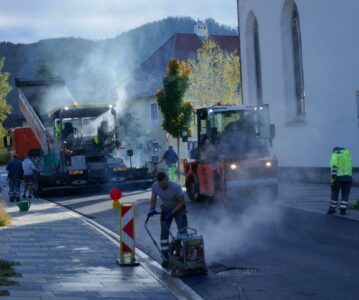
(184, 135)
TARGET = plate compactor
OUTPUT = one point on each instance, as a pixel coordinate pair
(186, 252)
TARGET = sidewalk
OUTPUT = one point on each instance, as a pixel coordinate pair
(62, 257)
(314, 198)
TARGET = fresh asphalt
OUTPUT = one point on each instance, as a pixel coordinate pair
(262, 252)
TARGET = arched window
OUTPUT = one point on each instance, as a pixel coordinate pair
(298, 63)
(257, 63)
(254, 68)
(293, 63)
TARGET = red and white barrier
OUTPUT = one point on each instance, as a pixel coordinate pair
(127, 235)
(127, 229)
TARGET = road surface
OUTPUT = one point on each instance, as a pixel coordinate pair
(287, 250)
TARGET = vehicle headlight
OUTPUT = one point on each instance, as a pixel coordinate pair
(233, 167)
(117, 169)
(76, 172)
(268, 164)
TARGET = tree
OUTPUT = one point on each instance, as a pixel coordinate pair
(215, 76)
(5, 88)
(44, 69)
(177, 114)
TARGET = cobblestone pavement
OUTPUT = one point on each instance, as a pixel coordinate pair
(314, 198)
(62, 257)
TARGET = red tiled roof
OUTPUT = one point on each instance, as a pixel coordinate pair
(147, 79)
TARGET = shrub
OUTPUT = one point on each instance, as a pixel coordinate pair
(5, 219)
(6, 271)
(4, 156)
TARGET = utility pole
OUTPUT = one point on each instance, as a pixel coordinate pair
(239, 52)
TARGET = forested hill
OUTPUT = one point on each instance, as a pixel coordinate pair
(103, 64)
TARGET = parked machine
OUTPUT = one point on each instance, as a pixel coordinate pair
(74, 145)
(186, 252)
(232, 154)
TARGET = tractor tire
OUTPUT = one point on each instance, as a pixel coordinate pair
(192, 186)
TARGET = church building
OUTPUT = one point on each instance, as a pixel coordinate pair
(302, 58)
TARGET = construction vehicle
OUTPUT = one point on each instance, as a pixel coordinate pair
(186, 251)
(73, 145)
(23, 141)
(232, 154)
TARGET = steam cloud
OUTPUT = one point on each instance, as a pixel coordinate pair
(232, 232)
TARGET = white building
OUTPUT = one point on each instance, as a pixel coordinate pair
(147, 81)
(302, 57)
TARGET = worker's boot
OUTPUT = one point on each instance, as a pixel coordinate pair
(11, 197)
(17, 197)
(342, 211)
(331, 211)
(164, 263)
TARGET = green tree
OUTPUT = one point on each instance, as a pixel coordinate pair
(177, 114)
(44, 69)
(5, 88)
(215, 76)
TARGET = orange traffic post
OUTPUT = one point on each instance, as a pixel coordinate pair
(127, 229)
(116, 195)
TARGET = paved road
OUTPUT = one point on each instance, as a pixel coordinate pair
(290, 250)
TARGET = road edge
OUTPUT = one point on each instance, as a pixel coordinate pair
(174, 285)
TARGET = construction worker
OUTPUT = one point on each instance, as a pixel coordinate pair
(173, 206)
(341, 179)
(96, 140)
(68, 132)
(171, 158)
(29, 169)
(15, 175)
(239, 139)
(58, 128)
(103, 133)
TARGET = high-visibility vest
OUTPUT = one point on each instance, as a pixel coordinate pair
(96, 139)
(341, 163)
(57, 131)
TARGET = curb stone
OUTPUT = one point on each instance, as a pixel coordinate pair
(174, 285)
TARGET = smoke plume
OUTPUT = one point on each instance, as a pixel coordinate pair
(229, 232)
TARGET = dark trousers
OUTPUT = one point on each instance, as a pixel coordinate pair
(28, 179)
(344, 187)
(14, 189)
(181, 222)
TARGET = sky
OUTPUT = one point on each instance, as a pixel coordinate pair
(26, 21)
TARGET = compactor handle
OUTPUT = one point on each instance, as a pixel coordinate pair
(148, 216)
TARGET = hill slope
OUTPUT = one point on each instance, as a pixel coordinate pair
(95, 70)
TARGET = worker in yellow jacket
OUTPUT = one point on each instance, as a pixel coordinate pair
(341, 179)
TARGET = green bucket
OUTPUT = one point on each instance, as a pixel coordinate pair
(23, 205)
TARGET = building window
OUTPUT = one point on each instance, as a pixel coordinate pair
(257, 63)
(153, 112)
(254, 68)
(298, 63)
(293, 65)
